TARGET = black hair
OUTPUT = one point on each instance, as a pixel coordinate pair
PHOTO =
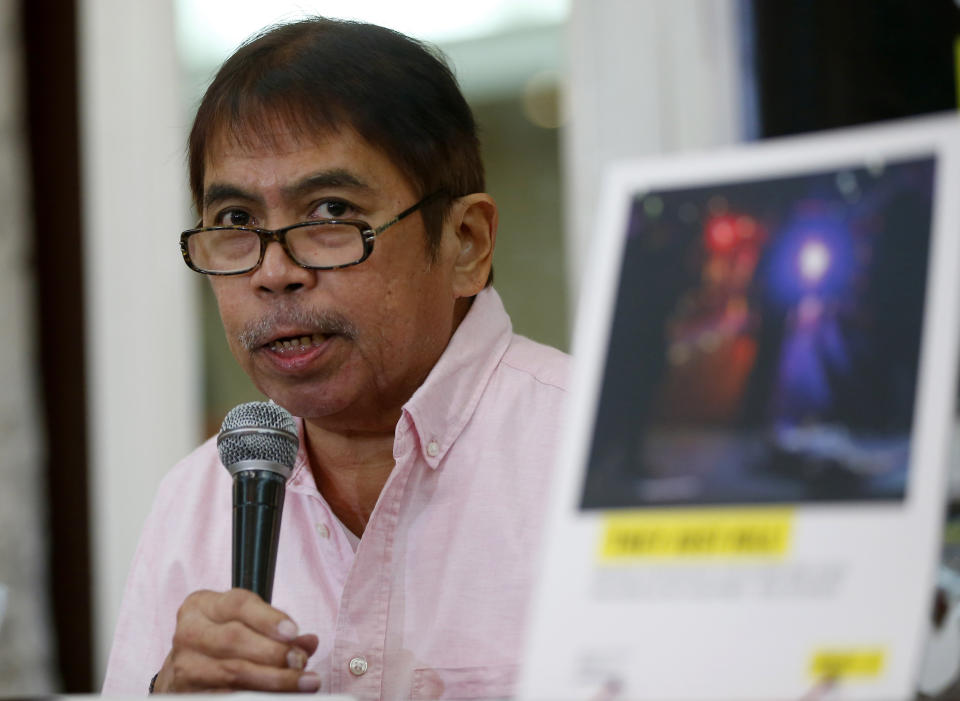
(318, 75)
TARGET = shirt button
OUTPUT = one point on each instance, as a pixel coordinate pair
(322, 531)
(433, 449)
(358, 666)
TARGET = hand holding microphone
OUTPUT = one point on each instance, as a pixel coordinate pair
(235, 639)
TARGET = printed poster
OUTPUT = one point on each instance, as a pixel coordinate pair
(752, 486)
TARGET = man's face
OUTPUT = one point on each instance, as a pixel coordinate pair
(343, 348)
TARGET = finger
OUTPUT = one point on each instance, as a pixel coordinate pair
(247, 607)
(242, 674)
(308, 643)
(234, 639)
(303, 647)
(205, 626)
(195, 672)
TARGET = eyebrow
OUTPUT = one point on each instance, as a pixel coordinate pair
(337, 177)
(217, 192)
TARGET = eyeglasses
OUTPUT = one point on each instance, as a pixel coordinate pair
(325, 244)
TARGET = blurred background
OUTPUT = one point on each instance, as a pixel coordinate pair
(115, 365)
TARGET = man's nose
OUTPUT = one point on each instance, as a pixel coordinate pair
(280, 273)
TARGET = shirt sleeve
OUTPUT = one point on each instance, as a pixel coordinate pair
(184, 546)
(147, 617)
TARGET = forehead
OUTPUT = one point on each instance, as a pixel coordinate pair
(283, 155)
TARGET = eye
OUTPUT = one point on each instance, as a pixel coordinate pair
(333, 209)
(233, 217)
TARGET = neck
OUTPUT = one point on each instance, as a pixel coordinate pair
(350, 469)
(350, 466)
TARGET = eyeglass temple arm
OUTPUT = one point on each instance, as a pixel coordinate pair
(407, 212)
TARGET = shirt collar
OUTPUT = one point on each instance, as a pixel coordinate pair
(443, 404)
(301, 479)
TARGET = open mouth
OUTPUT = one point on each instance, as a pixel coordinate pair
(297, 343)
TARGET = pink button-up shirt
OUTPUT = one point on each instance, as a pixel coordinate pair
(432, 601)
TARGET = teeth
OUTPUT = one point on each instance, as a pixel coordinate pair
(301, 344)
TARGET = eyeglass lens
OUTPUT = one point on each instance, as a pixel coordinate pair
(322, 244)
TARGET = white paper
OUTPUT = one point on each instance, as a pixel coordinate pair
(773, 435)
(233, 696)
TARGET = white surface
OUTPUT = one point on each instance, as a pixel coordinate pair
(142, 342)
(239, 696)
(670, 649)
(644, 78)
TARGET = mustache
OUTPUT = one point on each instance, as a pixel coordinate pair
(263, 330)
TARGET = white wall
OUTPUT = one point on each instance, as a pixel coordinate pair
(142, 342)
(644, 77)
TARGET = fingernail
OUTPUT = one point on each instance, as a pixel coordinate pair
(308, 682)
(296, 659)
(287, 629)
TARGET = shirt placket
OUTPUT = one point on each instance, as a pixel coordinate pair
(361, 632)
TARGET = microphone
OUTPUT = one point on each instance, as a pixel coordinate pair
(258, 445)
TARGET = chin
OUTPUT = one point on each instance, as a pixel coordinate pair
(307, 405)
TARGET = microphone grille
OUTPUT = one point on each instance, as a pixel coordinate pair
(258, 431)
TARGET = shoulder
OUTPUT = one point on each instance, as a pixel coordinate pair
(195, 483)
(188, 529)
(537, 362)
(528, 388)
(202, 464)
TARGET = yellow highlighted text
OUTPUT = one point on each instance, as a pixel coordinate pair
(696, 533)
(848, 663)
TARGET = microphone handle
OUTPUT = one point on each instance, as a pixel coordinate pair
(257, 508)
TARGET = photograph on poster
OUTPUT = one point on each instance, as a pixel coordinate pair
(765, 343)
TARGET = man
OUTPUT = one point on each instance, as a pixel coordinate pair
(412, 517)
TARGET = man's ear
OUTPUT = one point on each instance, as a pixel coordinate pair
(474, 222)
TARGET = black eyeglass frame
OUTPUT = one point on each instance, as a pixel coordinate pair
(267, 236)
